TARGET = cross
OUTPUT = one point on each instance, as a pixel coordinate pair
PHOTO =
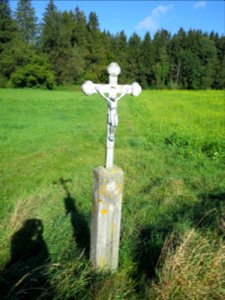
(112, 93)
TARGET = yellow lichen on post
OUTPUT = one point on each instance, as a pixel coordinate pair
(101, 262)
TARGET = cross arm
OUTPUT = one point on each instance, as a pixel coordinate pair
(133, 89)
(90, 88)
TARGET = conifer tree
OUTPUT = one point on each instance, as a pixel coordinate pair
(161, 58)
(120, 54)
(93, 23)
(96, 61)
(50, 28)
(79, 38)
(207, 56)
(107, 42)
(26, 20)
(219, 74)
(63, 44)
(177, 53)
(134, 57)
(146, 61)
(80, 32)
(69, 63)
(7, 25)
(50, 35)
(7, 34)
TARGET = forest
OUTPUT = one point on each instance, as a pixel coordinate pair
(68, 47)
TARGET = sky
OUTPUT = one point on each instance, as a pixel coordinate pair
(142, 16)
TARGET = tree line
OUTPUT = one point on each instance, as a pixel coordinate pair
(68, 48)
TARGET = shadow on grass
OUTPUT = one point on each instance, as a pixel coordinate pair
(148, 250)
(24, 276)
(210, 211)
(81, 231)
(207, 214)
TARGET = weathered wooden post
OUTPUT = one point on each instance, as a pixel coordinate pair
(108, 180)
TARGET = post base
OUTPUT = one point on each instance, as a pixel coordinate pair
(106, 217)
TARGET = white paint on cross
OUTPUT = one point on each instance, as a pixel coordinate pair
(112, 93)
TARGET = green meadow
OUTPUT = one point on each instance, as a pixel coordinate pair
(170, 145)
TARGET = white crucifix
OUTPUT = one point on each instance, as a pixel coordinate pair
(112, 93)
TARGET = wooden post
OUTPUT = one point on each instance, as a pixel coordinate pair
(106, 217)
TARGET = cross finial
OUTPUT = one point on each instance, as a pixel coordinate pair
(112, 93)
(114, 69)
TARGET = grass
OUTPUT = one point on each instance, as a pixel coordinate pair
(194, 271)
(170, 145)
